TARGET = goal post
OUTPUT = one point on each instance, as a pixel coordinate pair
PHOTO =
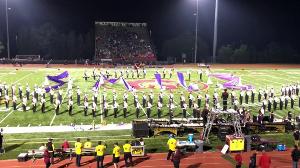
(28, 57)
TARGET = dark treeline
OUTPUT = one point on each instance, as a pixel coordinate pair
(46, 40)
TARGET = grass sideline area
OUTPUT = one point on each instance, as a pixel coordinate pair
(19, 143)
(259, 78)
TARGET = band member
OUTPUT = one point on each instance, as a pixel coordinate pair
(151, 96)
(247, 97)
(271, 117)
(292, 101)
(27, 92)
(137, 111)
(85, 76)
(182, 100)
(137, 73)
(171, 98)
(70, 105)
(164, 73)
(94, 109)
(78, 96)
(115, 106)
(286, 101)
(270, 100)
(282, 98)
(135, 99)
(14, 101)
(86, 106)
(160, 97)
(34, 101)
(170, 73)
(144, 100)
(191, 99)
(200, 74)
(199, 97)
(60, 96)
(144, 73)
(105, 109)
(275, 102)
(125, 106)
(24, 104)
(235, 104)
(195, 110)
(242, 93)
(206, 96)
(13, 90)
(259, 95)
(171, 111)
(94, 73)
(43, 101)
(127, 73)
(232, 96)
(95, 97)
(189, 75)
(149, 106)
(252, 96)
(51, 92)
(215, 99)
(159, 111)
(57, 106)
(85, 98)
(265, 94)
(20, 92)
(272, 92)
(224, 97)
(125, 97)
(264, 104)
(184, 107)
(114, 96)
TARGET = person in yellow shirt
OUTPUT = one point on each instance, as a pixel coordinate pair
(116, 155)
(172, 146)
(127, 154)
(78, 151)
(87, 144)
(100, 151)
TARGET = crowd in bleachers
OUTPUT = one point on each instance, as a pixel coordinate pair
(123, 43)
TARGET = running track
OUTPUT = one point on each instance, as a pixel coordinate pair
(192, 160)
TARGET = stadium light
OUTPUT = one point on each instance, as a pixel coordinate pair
(196, 32)
(215, 32)
(7, 31)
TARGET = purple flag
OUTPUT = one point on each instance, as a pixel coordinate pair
(158, 79)
(181, 79)
(57, 80)
(233, 82)
(127, 86)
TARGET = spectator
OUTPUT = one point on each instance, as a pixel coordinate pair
(295, 156)
(65, 145)
(142, 143)
(87, 144)
(176, 158)
(252, 162)
(238, 159)
(296, 137)
(265, 160)
(46, 156)
(50, 148)
(172, 146)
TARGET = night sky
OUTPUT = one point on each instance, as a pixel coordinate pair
(255, 22)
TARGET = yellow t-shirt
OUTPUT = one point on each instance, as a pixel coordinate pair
(172, 144)
(88, 144)
(127, 148)
(116, 151)
(78, 148)
(100, 149)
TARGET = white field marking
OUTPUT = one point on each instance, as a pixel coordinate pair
(9, 114)
(5, 74)
(19, 103)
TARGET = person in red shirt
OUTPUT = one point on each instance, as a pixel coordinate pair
(238, 159)
(264, 160)
(65, 145)
(46, 156)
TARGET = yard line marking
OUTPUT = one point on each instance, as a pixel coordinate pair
(22, 78)
(9, 114)
(8, 73)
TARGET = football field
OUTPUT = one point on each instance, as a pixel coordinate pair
(261, 78)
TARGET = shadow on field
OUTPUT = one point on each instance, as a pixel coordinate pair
(12, 147)
(65, 165)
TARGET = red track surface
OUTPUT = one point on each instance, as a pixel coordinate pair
(202, 160)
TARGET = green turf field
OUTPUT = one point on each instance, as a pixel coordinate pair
(260, 78)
